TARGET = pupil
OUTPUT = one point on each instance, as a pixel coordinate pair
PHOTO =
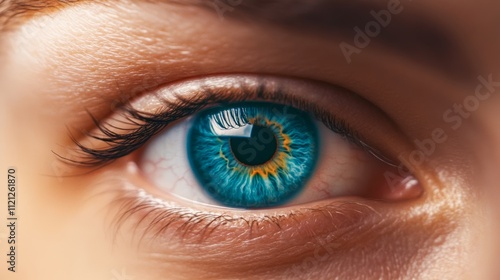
(257, 149)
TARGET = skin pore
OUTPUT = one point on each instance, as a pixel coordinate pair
(64, 60)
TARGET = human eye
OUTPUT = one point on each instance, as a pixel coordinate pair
(257, 154)
(212, 147)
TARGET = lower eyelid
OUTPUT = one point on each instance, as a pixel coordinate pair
(151, 219)
(203, 243)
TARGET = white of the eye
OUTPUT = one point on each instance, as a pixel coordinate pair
(165, 163)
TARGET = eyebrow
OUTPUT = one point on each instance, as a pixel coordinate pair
(14, 12)
(411, 36)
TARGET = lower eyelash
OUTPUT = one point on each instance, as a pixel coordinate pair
(151, 219)
(195, 227)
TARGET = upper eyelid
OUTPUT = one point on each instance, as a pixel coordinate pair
(156, 109)
(143, 121)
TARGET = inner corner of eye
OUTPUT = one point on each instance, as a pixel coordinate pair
(253, 155)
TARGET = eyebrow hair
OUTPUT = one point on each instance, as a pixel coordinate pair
(411, 36)
(14, 12)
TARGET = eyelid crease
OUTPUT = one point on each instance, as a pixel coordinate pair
(115, 144)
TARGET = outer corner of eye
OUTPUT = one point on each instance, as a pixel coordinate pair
(398, 188)
(251, 155)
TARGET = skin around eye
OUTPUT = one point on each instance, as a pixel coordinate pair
(152, 193)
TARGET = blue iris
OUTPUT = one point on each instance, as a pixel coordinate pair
(253, 154)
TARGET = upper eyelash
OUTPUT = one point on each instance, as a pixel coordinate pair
(122, 142)
(232, 118)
